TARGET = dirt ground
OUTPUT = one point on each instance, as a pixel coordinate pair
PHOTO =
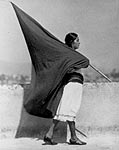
(102, 116)
(93, 143)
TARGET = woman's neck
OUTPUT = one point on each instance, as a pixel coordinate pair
(73, 48)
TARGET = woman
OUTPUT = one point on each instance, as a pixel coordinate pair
(69, 106)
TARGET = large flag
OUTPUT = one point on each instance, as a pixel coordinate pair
(51, 60)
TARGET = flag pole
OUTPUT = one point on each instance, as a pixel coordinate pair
(100, 73)
(80, 132)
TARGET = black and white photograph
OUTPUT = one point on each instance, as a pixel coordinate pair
(59, 74)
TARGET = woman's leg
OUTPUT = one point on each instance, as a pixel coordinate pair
(74, 139)
(72, 129)
(50, 132)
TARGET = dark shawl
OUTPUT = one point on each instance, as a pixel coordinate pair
(51, 60)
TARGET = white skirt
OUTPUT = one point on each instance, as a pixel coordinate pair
(70, 102)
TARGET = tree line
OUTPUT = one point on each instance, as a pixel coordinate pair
(25, 79)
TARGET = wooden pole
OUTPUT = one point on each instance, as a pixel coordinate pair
(100, 73)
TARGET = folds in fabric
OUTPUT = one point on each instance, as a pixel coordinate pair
(51, 60)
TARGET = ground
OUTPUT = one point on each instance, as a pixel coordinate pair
(102, 112)
(93, 143)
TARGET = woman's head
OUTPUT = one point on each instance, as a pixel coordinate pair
(72, 40)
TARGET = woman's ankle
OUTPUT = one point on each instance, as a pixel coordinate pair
(74, 137)
(49, 136)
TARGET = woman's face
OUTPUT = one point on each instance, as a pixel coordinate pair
(76, 43)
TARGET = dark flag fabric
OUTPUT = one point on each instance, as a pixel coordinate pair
(51, 60)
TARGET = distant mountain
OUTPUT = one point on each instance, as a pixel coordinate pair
(15, 68)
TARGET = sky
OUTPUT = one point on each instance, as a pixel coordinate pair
(96, 22)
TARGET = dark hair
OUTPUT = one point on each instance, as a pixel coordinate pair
(69, 38)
